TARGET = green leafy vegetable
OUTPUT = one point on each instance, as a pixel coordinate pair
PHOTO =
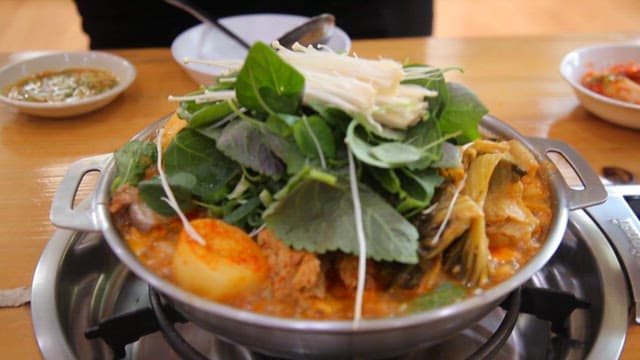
(240, 215)
(281, 124)
(195, 170)
(419, 148)
(266, 83)
(463, 113)
(311, 129)
(386, 178)
(417, 189)
(210, 114)
(152, 193)
(319, 217)
(412, 189)
(189, 108)
(132, 160)
(427, 136)
(379, 131)
(396, 154)
(445, 294)
(193, 153)
(357, 139)
(285, 164)
(433, 81)
(336, 118)
(255, 147)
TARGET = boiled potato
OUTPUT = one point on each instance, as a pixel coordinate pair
(229, 265)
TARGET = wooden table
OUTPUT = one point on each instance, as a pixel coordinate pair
(516, 77)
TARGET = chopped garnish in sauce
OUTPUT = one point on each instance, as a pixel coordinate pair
(62, 86)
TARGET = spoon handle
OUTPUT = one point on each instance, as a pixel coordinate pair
(205, 17)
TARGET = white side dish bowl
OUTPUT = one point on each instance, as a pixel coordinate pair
(599, 58)
(205, 42)
(122, 69)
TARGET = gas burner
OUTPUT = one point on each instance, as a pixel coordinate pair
(545, 304)
(121, 330)
(565, 308)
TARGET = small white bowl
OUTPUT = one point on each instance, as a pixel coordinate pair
(123, 70)
(206, 42)
(598, 58)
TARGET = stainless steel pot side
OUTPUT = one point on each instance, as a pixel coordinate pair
(376, 338)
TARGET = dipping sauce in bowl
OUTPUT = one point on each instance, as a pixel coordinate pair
(65, 85)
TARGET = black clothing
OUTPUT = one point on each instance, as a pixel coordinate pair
(137, 23)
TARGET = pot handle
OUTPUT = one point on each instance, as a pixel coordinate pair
(591, 190)
(62, 213)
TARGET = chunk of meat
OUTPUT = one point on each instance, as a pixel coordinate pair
(141, 215)
(293, 272)
(123, 197)
(348, 272)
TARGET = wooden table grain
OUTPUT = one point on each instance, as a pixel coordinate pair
(516, 77)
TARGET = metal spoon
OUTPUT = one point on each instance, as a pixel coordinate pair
(316, 30)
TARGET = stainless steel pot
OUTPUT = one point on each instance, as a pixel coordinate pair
(376, 338)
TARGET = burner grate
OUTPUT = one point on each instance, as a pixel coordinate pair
(494, 343)
(173, 337)
(120, 330)
(551, 305)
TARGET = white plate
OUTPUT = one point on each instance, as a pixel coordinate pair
(598, 58)
(208, 43)
(121, 68)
